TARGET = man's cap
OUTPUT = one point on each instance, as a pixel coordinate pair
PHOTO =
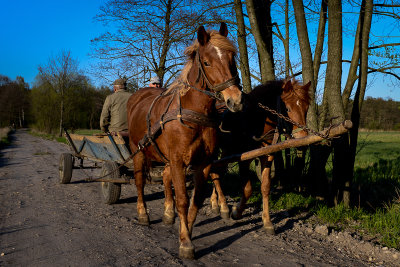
(155, 79)
(119, 82)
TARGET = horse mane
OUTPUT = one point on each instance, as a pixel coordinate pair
(276, 88)
(216, 40)
(299, 91)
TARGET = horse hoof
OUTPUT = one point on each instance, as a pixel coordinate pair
(215, 210)
(235, 214)
(269, 229)
(186, 252)
(144, 219)
(168, 219)
(225, 215)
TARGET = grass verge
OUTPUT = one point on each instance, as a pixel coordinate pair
(4, 136)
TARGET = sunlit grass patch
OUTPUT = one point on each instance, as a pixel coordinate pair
(374, 146)
(386, 224)
(292, 201)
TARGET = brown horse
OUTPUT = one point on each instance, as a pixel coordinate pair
(256, 127)
(177, 126)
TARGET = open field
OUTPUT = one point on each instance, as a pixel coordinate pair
(374, 146)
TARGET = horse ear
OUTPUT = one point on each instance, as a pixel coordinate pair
(223, 30)
(288, 86)
(202, 36)
(306, 87)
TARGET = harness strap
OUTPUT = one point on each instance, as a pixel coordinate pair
(176, 114)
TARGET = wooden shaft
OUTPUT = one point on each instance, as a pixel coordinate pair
(304, 141)
(115, 181)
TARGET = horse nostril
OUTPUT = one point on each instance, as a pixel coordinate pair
(229, 103)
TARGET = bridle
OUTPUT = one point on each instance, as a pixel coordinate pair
(235, 80)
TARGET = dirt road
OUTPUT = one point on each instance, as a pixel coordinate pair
(44, 223)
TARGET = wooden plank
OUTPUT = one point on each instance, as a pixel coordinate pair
(310, 139)
(100, 139)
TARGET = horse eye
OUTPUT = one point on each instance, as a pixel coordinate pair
(206, 64)
(288, 110)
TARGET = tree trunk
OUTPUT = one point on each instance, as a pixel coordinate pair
(306, 57)
(286, 41)
(352, 75)
(341, 176)
(365, 22)
(160, 67)
(320, 42)
(241, 35)
(259, 12)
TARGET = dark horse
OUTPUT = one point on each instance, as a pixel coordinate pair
(177, 126)
(256, 127)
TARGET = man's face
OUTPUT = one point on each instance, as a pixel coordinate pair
(118, 87)
(155, 85)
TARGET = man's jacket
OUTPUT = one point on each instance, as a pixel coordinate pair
(113, 116)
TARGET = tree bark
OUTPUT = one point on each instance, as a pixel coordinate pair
(259, 12)
(241, 35)
(365, 22)
(320, 42)
(352, 75)
(286, 41)
(306, 57)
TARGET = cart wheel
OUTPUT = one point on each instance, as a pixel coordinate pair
(110, 191)
(66, 163)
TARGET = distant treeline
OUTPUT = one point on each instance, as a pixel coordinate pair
(39, 106)
(380, 114)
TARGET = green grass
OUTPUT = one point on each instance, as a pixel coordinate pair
(376, 175)
(385, 223)
(375, 146)
(292, 202)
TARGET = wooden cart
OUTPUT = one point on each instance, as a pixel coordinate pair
(108, 152)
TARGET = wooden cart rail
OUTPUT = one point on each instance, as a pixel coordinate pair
(292, 143)
(99, 147)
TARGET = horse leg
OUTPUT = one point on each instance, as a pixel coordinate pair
(237, 210)
(169, 207)
(198, 195)
(186, 248)
(266, 163)
(214, 195)
(218, 200)
(139, 161)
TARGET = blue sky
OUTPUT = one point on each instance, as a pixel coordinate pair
(32, 31)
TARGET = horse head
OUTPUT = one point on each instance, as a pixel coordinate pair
(297, 100)
(215, 59)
